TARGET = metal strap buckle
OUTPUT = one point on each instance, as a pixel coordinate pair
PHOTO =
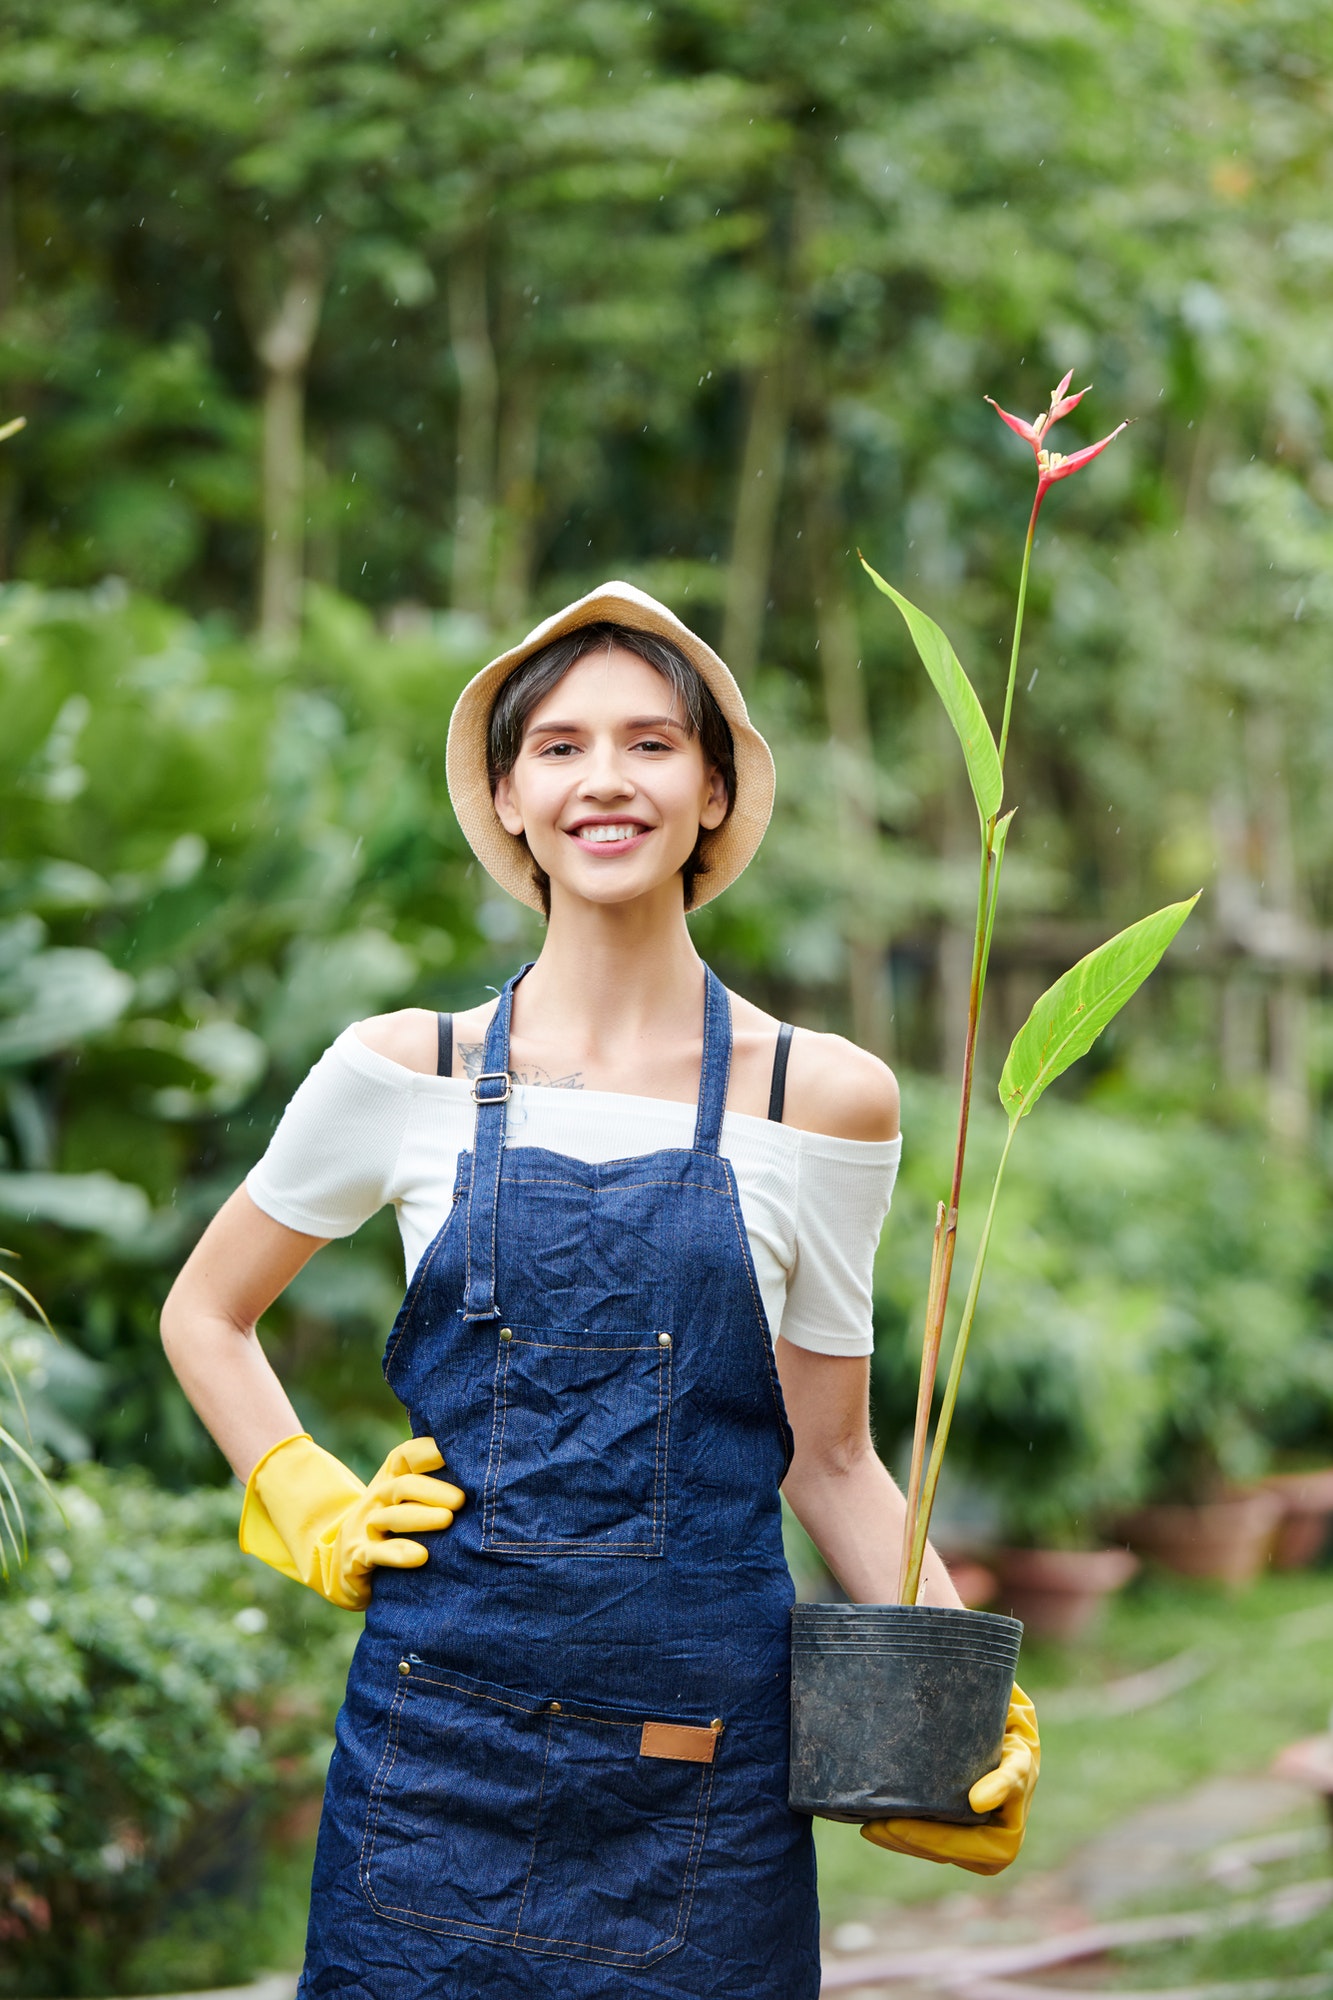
(492, 1076)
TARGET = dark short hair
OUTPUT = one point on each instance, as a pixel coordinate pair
(531, 682)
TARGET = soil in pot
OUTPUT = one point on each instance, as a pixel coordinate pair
(1307, 1500)
(897, 1709)
(1227, 1540)
(1058, 1593)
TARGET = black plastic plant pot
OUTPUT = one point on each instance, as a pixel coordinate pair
(897, 1709)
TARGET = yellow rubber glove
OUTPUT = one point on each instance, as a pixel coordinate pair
(308, 1516)
(982, 1850)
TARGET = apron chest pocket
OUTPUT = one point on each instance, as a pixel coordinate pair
(550, 1827)
(579, 1443)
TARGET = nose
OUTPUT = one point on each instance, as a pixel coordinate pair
(604, 774)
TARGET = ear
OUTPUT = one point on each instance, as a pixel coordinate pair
(506, 811)
(714, 808)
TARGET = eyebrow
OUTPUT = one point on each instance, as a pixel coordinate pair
(635, 722)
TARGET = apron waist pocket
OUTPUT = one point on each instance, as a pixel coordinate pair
(540, 1823)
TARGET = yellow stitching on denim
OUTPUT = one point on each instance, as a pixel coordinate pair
(377, 1791)
(536, 1827)
(499, 1400)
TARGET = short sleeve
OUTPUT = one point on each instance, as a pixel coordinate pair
(330, 1165)
(843, 1192)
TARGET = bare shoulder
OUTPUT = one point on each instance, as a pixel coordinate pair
(839, 1090)
(408, 1037)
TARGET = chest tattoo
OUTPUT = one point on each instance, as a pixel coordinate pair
(470, 1054)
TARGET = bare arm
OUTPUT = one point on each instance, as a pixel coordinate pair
(240, 1264)
(838, 1490)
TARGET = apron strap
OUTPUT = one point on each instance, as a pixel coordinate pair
(490, 1094)
(715, 1070)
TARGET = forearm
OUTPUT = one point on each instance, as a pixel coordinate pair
(229, 1383)
(241, 1263)
(853, 1512)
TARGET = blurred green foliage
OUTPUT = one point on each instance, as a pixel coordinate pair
(1152, 1323)
(161, 1697)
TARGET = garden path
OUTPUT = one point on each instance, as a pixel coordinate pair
(1218, 1836)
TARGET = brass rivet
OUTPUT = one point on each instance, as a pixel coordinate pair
(717, 1724)
(555, 1708)
(664, 1340)
(506, 1333)
(403, 1667)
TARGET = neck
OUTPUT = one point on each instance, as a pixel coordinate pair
(611, 978)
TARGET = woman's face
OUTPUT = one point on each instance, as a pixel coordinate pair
(609, 787)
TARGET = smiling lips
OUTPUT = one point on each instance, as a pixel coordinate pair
(618, 835)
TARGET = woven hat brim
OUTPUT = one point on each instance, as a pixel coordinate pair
(726, 851)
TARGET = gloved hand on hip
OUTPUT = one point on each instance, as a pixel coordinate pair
(308, 1516)
(983, 1850)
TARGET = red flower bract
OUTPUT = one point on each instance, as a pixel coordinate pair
(1053, 465)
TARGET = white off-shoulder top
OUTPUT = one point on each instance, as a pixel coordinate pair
(363, 1131)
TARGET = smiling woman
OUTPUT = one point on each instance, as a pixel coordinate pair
(638, 1309)
(586, 757)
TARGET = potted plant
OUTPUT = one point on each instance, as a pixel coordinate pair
(1243, 1370)
(1208, 1514)
(1299, 1426)
(1307, 1504)
(897, 1709)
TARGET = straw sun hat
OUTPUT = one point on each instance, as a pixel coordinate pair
(726, 850)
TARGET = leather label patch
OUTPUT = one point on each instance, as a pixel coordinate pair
(678, 1740)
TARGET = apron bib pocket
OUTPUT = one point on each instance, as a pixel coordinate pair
(548, 1826)
(579, 1438)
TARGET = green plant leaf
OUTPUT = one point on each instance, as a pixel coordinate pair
(959, 696)
(1070, 1015)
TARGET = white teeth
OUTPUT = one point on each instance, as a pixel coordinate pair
(602, 834)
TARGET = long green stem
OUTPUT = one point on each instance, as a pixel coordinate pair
(925, 1395)
(946, 1225)
(1018, 628)
(942, 1428)
(920, 1496)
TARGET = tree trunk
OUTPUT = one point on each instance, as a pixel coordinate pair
(283, 345)
(8, 288)
(864, 931)
(8, 229)
(519, 433)
(474, 363)
(1289, 1106)
(757, 498)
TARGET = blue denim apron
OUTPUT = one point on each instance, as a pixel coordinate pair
(561, 1767)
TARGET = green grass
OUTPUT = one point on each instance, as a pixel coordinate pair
(1271, 1681)
(1256, 1952)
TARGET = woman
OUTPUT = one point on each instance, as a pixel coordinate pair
(561, 1766)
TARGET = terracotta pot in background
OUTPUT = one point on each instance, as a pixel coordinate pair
(1227, 1540)
(1058, 1592)
(1307, 1498)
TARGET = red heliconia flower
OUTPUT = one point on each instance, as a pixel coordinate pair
(1053, 465)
